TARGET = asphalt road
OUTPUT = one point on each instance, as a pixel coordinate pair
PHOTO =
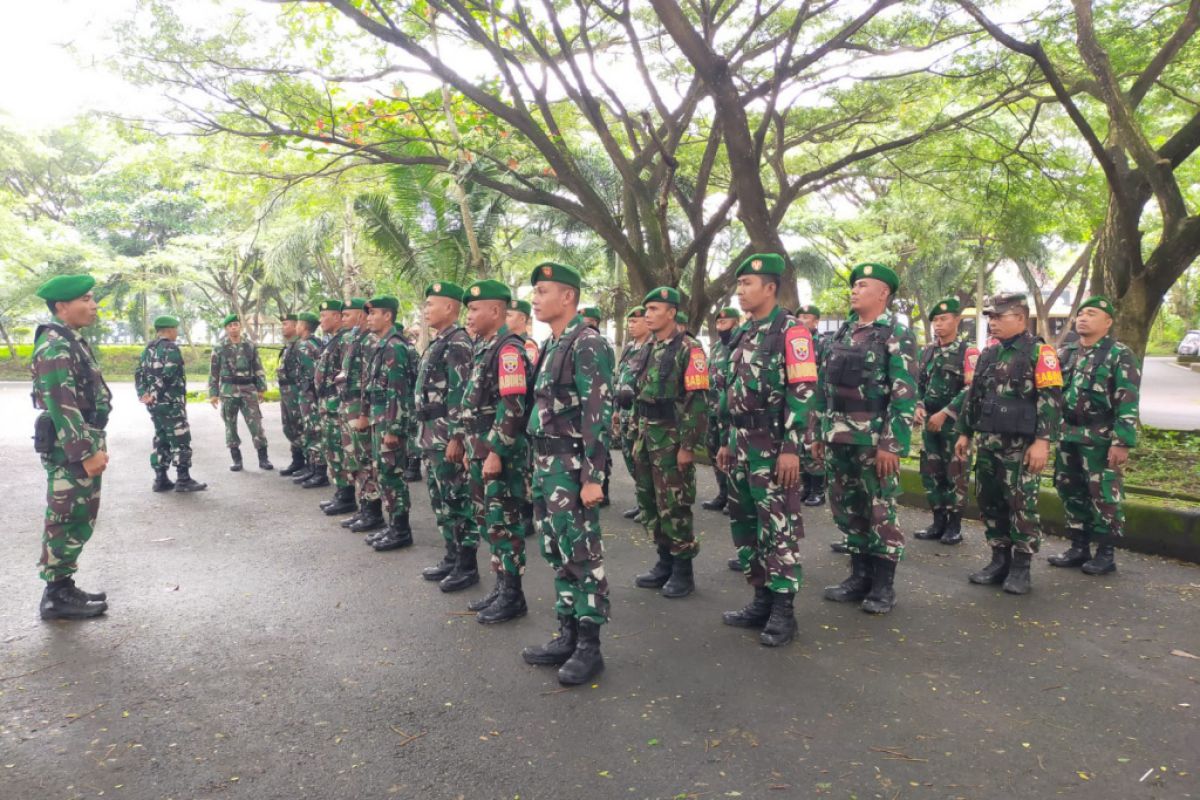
(256, 650)
(1170, 395)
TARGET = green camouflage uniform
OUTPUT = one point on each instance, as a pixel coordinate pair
(569, 428)
(941, 386)
(718, 362)
(359, 461)
(768, 409)
(1101, 387)
(75, 401)
(441, 378)
(236, 376)
(308, 351)
(160, 374)
(1005, 410)
(623, 416)
(493, 421)
(808, 462)
(287, 375)
(391, 374)
(670, 413)
(325, 383)
(868, 395)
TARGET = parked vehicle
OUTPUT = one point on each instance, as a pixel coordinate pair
(1190, 344)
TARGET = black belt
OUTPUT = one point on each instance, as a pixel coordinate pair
(662, 411)
(431, 411)
(480, 424)
(1073, 417)
(328, 391)
(557, 446)
(242, 380)
(754, 420)
(854, 405)
(282, 382)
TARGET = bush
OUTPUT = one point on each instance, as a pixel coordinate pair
(118, 361)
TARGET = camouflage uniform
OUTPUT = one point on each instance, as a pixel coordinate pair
(308, 352)
(941, 386)
(815, 467)
(624, 423)
(160, 374)
(441, 378)
(287, 375)
(718, 362)
(769, 409)
(569, 429)
(325, 384)
(389, 390)
(75, 403)
(359, 462)
(236, 375)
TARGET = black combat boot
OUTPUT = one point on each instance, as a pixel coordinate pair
(443, 567)
(1103, 562)
(718, 502)
(61, 600)
(586, 662)
(857, 585)
(882, 597)
(997, 570)
(465, 572)
(412, 471)
(487, 599)
(318, 477)
(509, 604)
(358, 514)
(184, 481)
(298, 463)
(302, 474)
(555, 652)
(93, 596)
(264, 463)
(658, 575)
(753, 615)
(1019, 580)
(1077, 554)
(734, 564)
(605, 501)
(935, 529)
(681, 583)
(161, 482)
(630, 513)
(840, 547)
(343, 502)
(816, 493)
(953, 532)
(781, 625)
(371, 518)
(236, 454)
(396, 536)
(805, 486)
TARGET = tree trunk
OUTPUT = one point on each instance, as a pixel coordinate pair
(12, 349)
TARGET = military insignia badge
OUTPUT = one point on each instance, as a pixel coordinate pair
(800, 363)
(512, 374)
(868, 269)
(1048, 373)
(695, 378)
(663, 294)
(756, 264)
(475, 291)
(437, 287)
(547, 272)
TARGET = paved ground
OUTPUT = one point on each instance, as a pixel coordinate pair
(255, 650)
(1170, 395)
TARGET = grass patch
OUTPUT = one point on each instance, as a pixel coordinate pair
(118, 361)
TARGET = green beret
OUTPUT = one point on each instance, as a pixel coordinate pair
(663, 294)
(636, 311)
(558, 273)
(761, 264)
(809, 309)
(230, 318)
(1099, 301)
(165, 321)
(330, 305)
(729, 312)
(948, 306)
(288, 318)
(444, 289)
(384, 301)
(309, 317)
(521, 305)
(356, 304)
(877, 271)
(591, 312)
(64, 288)
(1004, 302)
(488, 290)
(681, 317)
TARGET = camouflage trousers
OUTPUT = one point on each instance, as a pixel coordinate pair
(666, 492)
(358, 459)
(246, 404)
(1008, 497)
(291, 414)
(496, 513)
(942, 474)
(863, 504)
(335, 454)
(390, 461)
(447, 484)
(571, 543)
(172, 436)
(311, 437)
(810, 464)
(765, 521)
(72, 503)
(1092, 494)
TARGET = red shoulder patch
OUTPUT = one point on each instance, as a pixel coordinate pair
(800, 357)
(531, 351)
(512, 371)
(695, 377)
(1048, 373)
(970, 359)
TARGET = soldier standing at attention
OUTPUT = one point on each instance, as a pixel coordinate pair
(355, 413)
(1013, 409)
(162, 387)
(814, 468)
(671, 409)
(946, 368)
(287, 375)
(869, 395)
(770, 410)
(569, 428)
(69, 436)
(727, 320)
(637, 338)
(441, 378)
(328, 363)
(517, 319)
(1101, 382)
(592, 317)
(388, 390)
(308, 350)
(236, 380)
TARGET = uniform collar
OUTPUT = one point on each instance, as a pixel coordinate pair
(769, 318)
(575, 322)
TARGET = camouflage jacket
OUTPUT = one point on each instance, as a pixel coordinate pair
(68, 387)
(672, 384)
(308, 351)
(718, 362)
(943, 374)
(351, 378)
(160, 373)
(325, 373)
(235, 370)
(441, 378)
(1101, 385)
(626, 375)
(867, 389)
(573, 398)
(1016, 395)
(389, 384)
(287, 373)
(769, 381)
(494, 397)
(532, 351)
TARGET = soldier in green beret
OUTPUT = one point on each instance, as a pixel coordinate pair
(726, 322)
(519, 315)
(592, 317)
(1101, 387)
(682, 321)
(637, 338)
(354, 410)
(329, 364)
(237, 382)
(814, 468)
(287, 376)
(308, 350)
(69, 436)
(161, 385)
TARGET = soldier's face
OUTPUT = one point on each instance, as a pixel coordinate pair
(944, 326)
(234, 330)
(637, 327)
(516, 321)
(78, 313)
(1092, 322)
(289, 329)
(170, 334)
(553, 300)
(353, 317)
(485, 316)
(726, 324)
(331, 321)
(1007, 325)
(868, 294)
(379, 320)
(809, 321)
(660, 317)
(754, 293)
